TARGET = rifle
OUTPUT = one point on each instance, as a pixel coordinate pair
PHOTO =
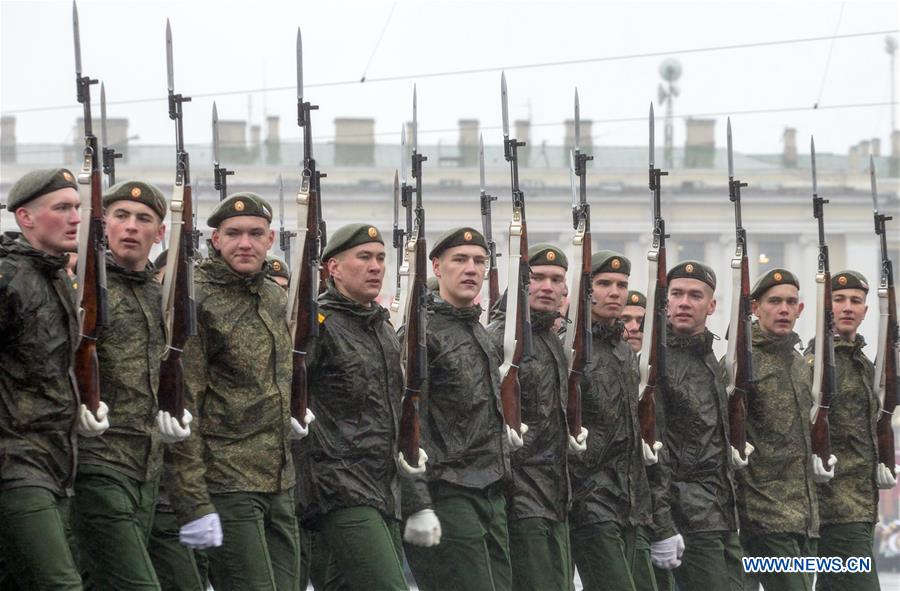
(220, 175)
(653, 349)
(824, 383)
(179, 306)
(738, 358)
(887, 360)
(284, 236)
(517, 331)
(490, 274)
(303, 309)
(578, 336)
(109, 154)
(91, 290)
(402, 197)
(415, 351)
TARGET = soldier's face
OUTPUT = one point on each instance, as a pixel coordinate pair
(132, 229)
(358, 272)
(547, 288)
(243, 241)
(778, 309)
(849, 307)
(50, 222)
(608, 291)
(460, 273)
(633, 317)
(690, 302)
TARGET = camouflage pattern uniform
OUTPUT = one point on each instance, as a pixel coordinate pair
(468, 457)
(848, 503)
(538, 499)
(39, 334)
(237, 461)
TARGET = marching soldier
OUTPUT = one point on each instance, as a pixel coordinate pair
(538, 501)
(633, 318)
(233, 485)
(699, 476)
(118, 474)
(611, 508)
(39, 404)
(464, 434)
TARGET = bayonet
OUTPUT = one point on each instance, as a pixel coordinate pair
(415, 123)
(504, 105)
(103, 136)
(109, 154)
(491, 279)
(812, 160)
(652, 137)
(170, 62)
(730, 151)
(299, 66)
(404, 154)
(215, 134)
(577, 123)
(481, 162)
(873, 184)
(220, 174)
(77, 36)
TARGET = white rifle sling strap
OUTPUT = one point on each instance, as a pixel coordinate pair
(649, 318)
(819, 348)
(299, 254)
(734, 324)
(883, 317)
(575, 291)
(401, 297)
(172, 260)
(512, 292)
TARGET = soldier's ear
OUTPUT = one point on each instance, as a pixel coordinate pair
(800, 307)
(160, 233)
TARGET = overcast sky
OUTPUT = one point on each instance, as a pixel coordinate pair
(234, 47)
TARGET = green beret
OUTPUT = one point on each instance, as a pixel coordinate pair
(349, 236)
(277, 268)
(37, 183)
(457, 237)
(636, 298)
(139, 192)
(849, 280)
(693, 270)
(609, 261)
(771, 279)
(432, 284)
(547, 254)
(245, 203)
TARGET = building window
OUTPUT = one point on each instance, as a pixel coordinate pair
(690, 250)
(769, 256)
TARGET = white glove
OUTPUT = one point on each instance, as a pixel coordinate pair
(650, 454)
(170, 430)
(821, 474)
(516, 441)
(204, 532)
(423, 529)
(736, 457)
(413, 470)
(883, 477)
(88, 425)
(578, 445)
(299, 431)
(666, 554)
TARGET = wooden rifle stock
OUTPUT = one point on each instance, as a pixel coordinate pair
(582, 339)
(647, 401)
(819, 431)
(743, 380)
(415, 352)
(884, 428)
(510, 388)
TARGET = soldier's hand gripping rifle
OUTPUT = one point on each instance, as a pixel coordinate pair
(414, 356)
(179, 306)
(738, 357)
(887, 360)
(109, 154)
(578, 333)
(220, 174)
(517, 331)
(824, 382)
(653, 349)
(402, 198)
(91, 288)
(491, 289)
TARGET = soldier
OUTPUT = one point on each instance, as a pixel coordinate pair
(118, 474)
(463, 432)
(354, 383)
(779, 513)
(538, 500)
(237, 463)
(633, 318)
(611, 504)
(279, 272)
(39, 404)
(697, 469)
(848, 505)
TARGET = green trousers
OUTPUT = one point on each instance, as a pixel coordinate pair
(777, 544)
(474, 549)
(540, 554)
(112, 514)
(711, 560)
(847, 540)
(261, 544)
(178, 568)
(36, 540)
(611, 557)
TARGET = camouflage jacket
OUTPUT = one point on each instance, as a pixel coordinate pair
(129, 350)
(540, 480)
(460, 416)
(609, 481)
(776, 493)
(355, 387)
(851, 496)
(698, 453)
(39, 334)
(237, 374)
